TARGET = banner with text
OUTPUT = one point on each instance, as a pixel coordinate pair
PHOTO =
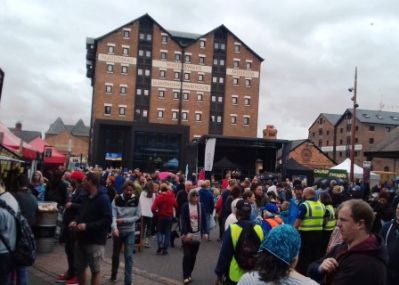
(209, 154)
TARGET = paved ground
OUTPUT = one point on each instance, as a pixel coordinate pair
(49, 265)
(149, 268)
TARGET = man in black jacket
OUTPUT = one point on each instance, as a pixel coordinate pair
(361, 258)
(92, 225)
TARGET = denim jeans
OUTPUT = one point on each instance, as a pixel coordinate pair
(126, 239)
(21, 276)
(163, 234)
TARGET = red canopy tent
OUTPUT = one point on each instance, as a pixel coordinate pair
(14, 143)
(55, 157)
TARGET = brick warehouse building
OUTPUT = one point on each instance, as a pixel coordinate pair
(156, 90)
(332, 133)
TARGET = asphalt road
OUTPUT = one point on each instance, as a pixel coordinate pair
(170, 265)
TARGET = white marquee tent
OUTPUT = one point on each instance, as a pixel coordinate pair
(358, 171)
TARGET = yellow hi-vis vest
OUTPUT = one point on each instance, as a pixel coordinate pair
(314, 217)
(331, 221)
(235, 272)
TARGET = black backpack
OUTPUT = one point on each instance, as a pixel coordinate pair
(247, 248)
(25, 246)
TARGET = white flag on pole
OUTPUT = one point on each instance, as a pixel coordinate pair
(209, 154)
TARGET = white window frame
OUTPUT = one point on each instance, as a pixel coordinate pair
(161, 93)
(147, 72)
(110, 70)
(236, 81)
(200, 96)
(146, 92)
(248, 82)
(122, 107)
(108, 88)
(147, 53)
(110, 109)
(124, 69)
(233, 119)
(175, 114)
(184, 115)
(176, 75)
(234, 98)
(125, 50)
(237, 47)
(220, 99)
(139, 92)
(176, 95)
(162, 73)
(246, 118)
(164, 38)
(122, 89)
(201, 77)
(247, 101)
(126, 33)
(198, 116)
(164, 55)
(187, 76)
(160, 113)
(202, 43)
(186, 95)
(141, 52)
(111, 48)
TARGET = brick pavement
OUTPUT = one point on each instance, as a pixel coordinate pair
(49, 265)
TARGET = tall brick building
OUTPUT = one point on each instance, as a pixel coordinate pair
(332, 133)
(155, 90)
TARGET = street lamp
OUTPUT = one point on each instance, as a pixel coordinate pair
(353, 126)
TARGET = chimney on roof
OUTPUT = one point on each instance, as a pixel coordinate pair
(18, 126)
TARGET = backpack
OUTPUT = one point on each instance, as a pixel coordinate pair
(25, 246)
(247, 248)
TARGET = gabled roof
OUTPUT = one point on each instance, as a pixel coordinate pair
(296, 143)
(26, 136)
(332, 118)
(374, 117)
(175, 35)
(389, 144)
(58, 127)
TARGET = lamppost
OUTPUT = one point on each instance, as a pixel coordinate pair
(353, 126)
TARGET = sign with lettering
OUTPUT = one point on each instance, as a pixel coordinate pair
(177, 85)
(178, 66)
(116, 58)
(242, 73)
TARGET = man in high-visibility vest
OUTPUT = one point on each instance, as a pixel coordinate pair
(228, 269)
(309, 222)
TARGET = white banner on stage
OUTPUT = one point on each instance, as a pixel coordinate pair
(209, 153)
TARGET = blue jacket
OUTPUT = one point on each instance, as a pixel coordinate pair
(206, 199)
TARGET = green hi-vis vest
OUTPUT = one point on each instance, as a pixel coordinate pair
(314, 217)
(235, 272)
(331, 221)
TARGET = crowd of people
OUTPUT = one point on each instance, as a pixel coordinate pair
(270, 232)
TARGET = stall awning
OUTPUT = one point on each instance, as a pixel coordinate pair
(50, 154)
(14, 143)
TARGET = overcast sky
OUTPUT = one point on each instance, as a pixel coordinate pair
(311, 48)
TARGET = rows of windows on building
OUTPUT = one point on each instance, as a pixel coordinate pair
(348, 130)
(177, 75)
(122, 111)
(162, 94)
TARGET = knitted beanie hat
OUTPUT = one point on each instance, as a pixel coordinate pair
(283, 242)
